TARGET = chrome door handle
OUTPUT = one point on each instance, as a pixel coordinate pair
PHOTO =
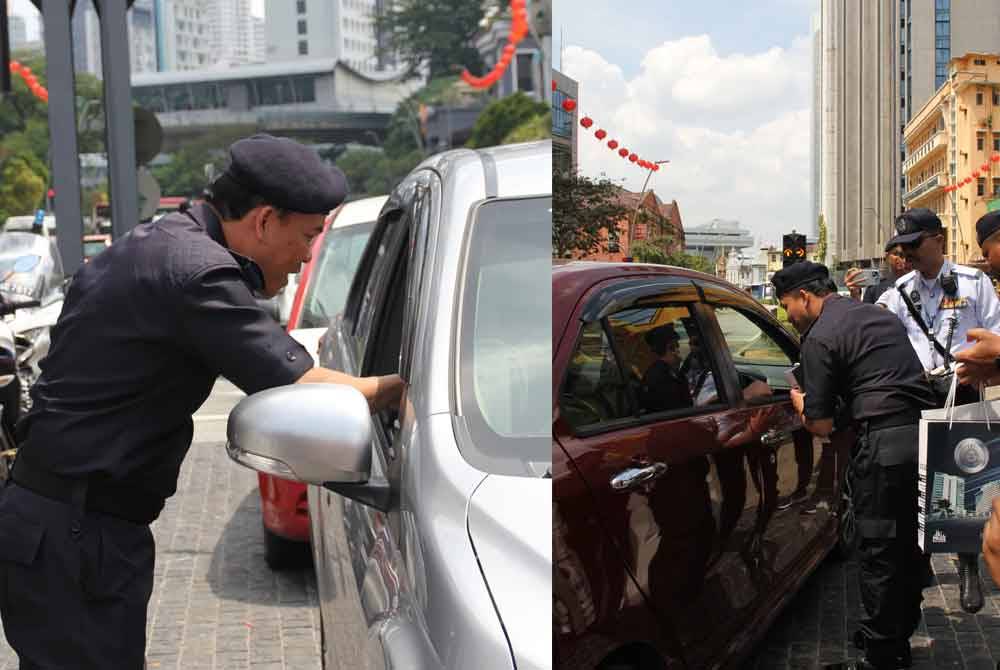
(774, 437)
(634, 477)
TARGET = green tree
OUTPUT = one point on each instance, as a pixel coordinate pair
(433, 34)
(536, 128)
(501, 117)
(581, 209)
(23, 181)
(185, 174)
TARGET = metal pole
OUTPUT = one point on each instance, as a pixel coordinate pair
(62, 132)
(635, 214)
(119, 123)
(5, 82)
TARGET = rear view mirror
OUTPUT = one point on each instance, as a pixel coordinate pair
(312, 433)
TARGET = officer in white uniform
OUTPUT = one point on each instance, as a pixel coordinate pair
(938, 303)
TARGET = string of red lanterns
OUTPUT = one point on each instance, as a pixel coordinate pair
(983, 169)
(30, 81)
(569, 104)
(518, 29)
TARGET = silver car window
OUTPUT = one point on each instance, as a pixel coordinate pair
(506, 337)
(332, 274)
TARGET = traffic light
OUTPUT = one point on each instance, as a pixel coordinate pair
(793, 248)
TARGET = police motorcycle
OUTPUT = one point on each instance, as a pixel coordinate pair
(30, 271)
(10, 383)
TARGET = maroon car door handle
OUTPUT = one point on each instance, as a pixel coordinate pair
(634, 477)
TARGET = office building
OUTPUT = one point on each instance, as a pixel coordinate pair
(564, 126)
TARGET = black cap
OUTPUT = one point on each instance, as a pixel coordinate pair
(797, 274)
(286, 174)
(987, 224)
(913, 223)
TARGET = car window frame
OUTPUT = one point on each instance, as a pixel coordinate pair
(718, 296)
(641, 293)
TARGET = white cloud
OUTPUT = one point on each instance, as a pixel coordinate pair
(735, 129)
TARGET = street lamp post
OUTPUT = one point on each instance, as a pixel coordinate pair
(635, 214)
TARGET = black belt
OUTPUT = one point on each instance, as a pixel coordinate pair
(122, 502)
(889, 421)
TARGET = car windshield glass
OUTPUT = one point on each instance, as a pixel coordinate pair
(506, 341)
(332, 274)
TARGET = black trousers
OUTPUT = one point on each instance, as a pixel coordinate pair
(884, 489)
(74, 585)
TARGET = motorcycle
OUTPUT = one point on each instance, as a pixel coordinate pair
(32, 270)
(10, 386)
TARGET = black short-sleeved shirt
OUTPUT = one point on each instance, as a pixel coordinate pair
(664, 388)
(146, 328)
(861, 354)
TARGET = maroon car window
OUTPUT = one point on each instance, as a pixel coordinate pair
(646, 360)
(759, 355)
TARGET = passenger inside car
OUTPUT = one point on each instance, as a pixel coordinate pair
(663, 386)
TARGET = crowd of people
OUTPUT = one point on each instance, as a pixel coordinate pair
(870, 364)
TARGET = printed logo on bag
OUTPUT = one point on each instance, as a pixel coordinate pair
(939, 537)
(954, 303)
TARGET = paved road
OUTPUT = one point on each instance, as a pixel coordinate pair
(814, 629)
(215, 603)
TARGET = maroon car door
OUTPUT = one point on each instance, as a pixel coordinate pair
(667, 449)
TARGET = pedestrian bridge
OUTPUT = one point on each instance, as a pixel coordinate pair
(316, 100)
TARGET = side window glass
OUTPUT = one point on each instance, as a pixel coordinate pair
(761, 357)
(642, 361)
(594, 391)
(667, 366)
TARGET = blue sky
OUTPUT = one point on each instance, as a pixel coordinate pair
(723, 94)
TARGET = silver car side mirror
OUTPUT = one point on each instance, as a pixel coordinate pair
(312, 433)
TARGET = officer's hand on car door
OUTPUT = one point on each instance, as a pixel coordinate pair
(978, 363)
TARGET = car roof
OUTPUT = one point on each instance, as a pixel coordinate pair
(354, 212)
(570, 280)
(519, 169)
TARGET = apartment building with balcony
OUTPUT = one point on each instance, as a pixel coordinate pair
(954, 133)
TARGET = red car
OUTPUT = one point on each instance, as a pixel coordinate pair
(689, 504)
(322, 290)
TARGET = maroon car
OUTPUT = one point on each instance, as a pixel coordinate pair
(689, 504)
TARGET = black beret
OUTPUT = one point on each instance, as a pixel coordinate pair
(987, 224)
(796, 275)
(286, 174)
(913, 223)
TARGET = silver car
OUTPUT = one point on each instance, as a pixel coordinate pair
(432, 543)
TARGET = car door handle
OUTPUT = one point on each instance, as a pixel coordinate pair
(634, 477)
(774, 437)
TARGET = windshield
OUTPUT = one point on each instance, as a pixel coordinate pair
(332, 274)
(506, 341)
(30, 267)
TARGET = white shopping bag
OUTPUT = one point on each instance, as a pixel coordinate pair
(959, 474)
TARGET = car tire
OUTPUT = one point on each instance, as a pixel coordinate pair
(282, 554)
(847, 525)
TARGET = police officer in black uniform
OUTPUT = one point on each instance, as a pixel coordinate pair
(988, 236)
(146, 329)
(858, 356)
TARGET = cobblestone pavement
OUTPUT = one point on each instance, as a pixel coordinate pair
(215, 603)
(813, 630)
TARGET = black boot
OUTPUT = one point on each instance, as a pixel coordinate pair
(969, 584)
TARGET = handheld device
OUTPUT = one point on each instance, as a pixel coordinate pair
(794, 376)
(868, 277)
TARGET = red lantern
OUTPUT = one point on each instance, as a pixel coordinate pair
(600, 133)
(975, 173)
(985, 167)
(623, 152)
(656, 167)
(995, 158)
(569, 104)
(25, 71)
(633, 158)
(553, 84)
(587, 122)
(612, 144)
